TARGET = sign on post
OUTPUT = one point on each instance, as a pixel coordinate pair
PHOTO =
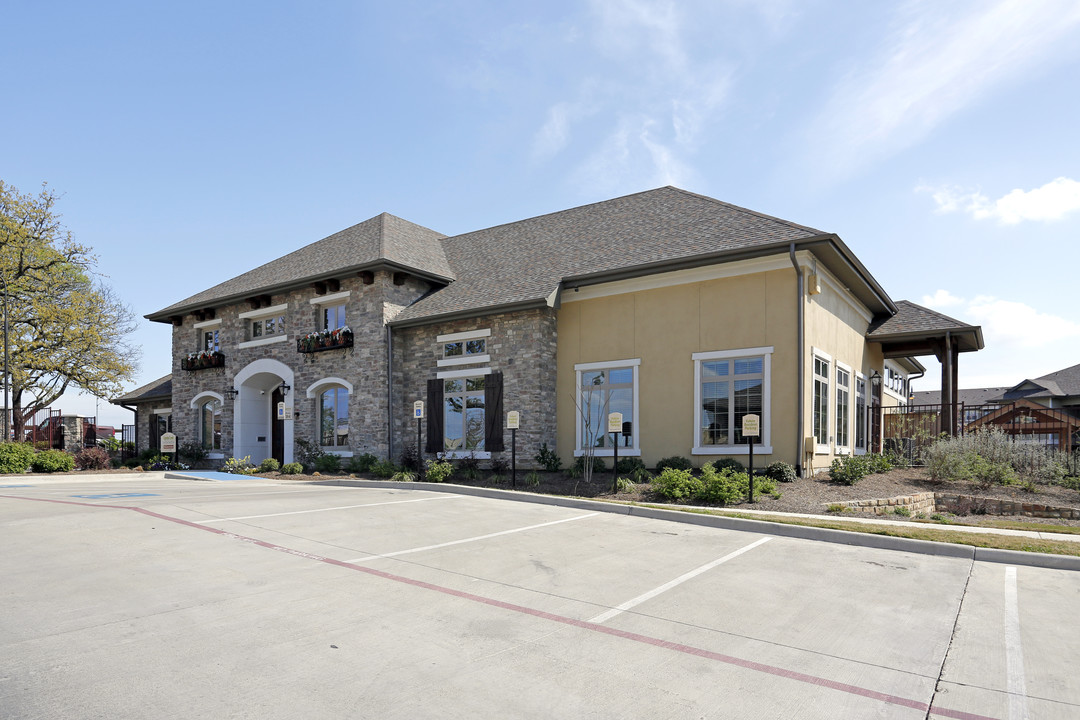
(513, 420)
(614, 422)
(418, 409)
(751, 428)
(168, 442)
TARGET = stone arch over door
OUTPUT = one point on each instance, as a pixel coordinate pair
(253, 410)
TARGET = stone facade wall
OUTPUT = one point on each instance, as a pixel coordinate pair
(144, 416)
(522, 345)
(929, 502)
(363, 365)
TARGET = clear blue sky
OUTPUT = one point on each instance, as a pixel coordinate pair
(193, 141)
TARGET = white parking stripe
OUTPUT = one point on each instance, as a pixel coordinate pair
(605, 616)
(1014, 652)
(468, 540)
(342, 507)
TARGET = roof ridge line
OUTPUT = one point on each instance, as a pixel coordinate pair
(748, 211)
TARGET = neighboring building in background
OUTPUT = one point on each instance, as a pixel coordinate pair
(1045, 410)
(681, 312)
(152, 405)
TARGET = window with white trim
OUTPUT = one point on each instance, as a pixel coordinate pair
(463, 348)
(604, 388)
(268, 326)
(334, 417)
(210, 424)
(843, 407)
(821, 400)
(860, 413)
(730, 384)
(210, 341)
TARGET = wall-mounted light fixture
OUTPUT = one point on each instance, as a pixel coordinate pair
(232, 392)
(285, 388)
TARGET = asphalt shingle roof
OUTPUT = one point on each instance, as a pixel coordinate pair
(160, 388)
(525, 261)
(1062, 383)
(382, 239)
(912, 318)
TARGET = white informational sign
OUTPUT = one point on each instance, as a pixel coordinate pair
(418, 410)
(284, 412)
(751, 425)
(513, 420)
(168, 442)
(614, 422)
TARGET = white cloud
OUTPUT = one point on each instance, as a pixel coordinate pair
(940, 58)
(941, 299)
(1021, 342)
(1052, 201)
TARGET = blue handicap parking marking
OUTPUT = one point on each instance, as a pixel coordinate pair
(5, 487)
(114, 496)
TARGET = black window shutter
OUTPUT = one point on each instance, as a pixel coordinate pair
(434, 416)
(493, 413)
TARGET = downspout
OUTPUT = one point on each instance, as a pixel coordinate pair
(390, 393)
(799, 352)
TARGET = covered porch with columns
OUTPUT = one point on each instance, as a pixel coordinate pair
(916, 331)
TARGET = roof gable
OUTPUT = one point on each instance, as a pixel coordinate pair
(383, 239)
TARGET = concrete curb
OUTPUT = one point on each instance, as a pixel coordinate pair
(841, 537)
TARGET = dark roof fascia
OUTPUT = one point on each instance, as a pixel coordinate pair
(470, 313)
(164, 315)
(853, 266)
(973, 331)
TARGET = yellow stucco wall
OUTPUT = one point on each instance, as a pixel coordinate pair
(663, 327)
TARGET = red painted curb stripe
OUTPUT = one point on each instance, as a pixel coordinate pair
(594, 627)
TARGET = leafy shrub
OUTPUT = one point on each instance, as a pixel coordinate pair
(292, 468)
(92, 458)
(721, 487)
(729, 464)
(238, 466)
(15, 457)
(901, 510)
(50, 461)
(192, 452)
(269, 465)
(410, 458)
(439, 470)
(163, 462)
(532, 479)
(361, 463)
(499, 465)
(384, 469)
(624, 484)
(780, 472)
(404, 476)
(131, 463)
(307, 453)
(629, 466)
(677, 462)
(675, 484)
(328, 463)
(878, 463)
(849, 469)
(548, 459)
(1072, 482)
(114, 463)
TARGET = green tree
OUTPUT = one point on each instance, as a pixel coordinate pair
(66, 330)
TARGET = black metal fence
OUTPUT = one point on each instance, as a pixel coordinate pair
(909, 430)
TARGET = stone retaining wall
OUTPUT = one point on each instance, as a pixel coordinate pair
(928, 503)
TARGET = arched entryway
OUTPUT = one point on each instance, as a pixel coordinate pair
(258, 431)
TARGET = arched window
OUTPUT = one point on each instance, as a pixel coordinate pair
(210, 424)
(334, 417)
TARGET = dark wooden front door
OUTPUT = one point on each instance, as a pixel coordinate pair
(277, 427)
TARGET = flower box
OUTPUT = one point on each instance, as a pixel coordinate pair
(202, 361)
(325, 340)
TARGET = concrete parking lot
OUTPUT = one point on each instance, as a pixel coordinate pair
(253, 598)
